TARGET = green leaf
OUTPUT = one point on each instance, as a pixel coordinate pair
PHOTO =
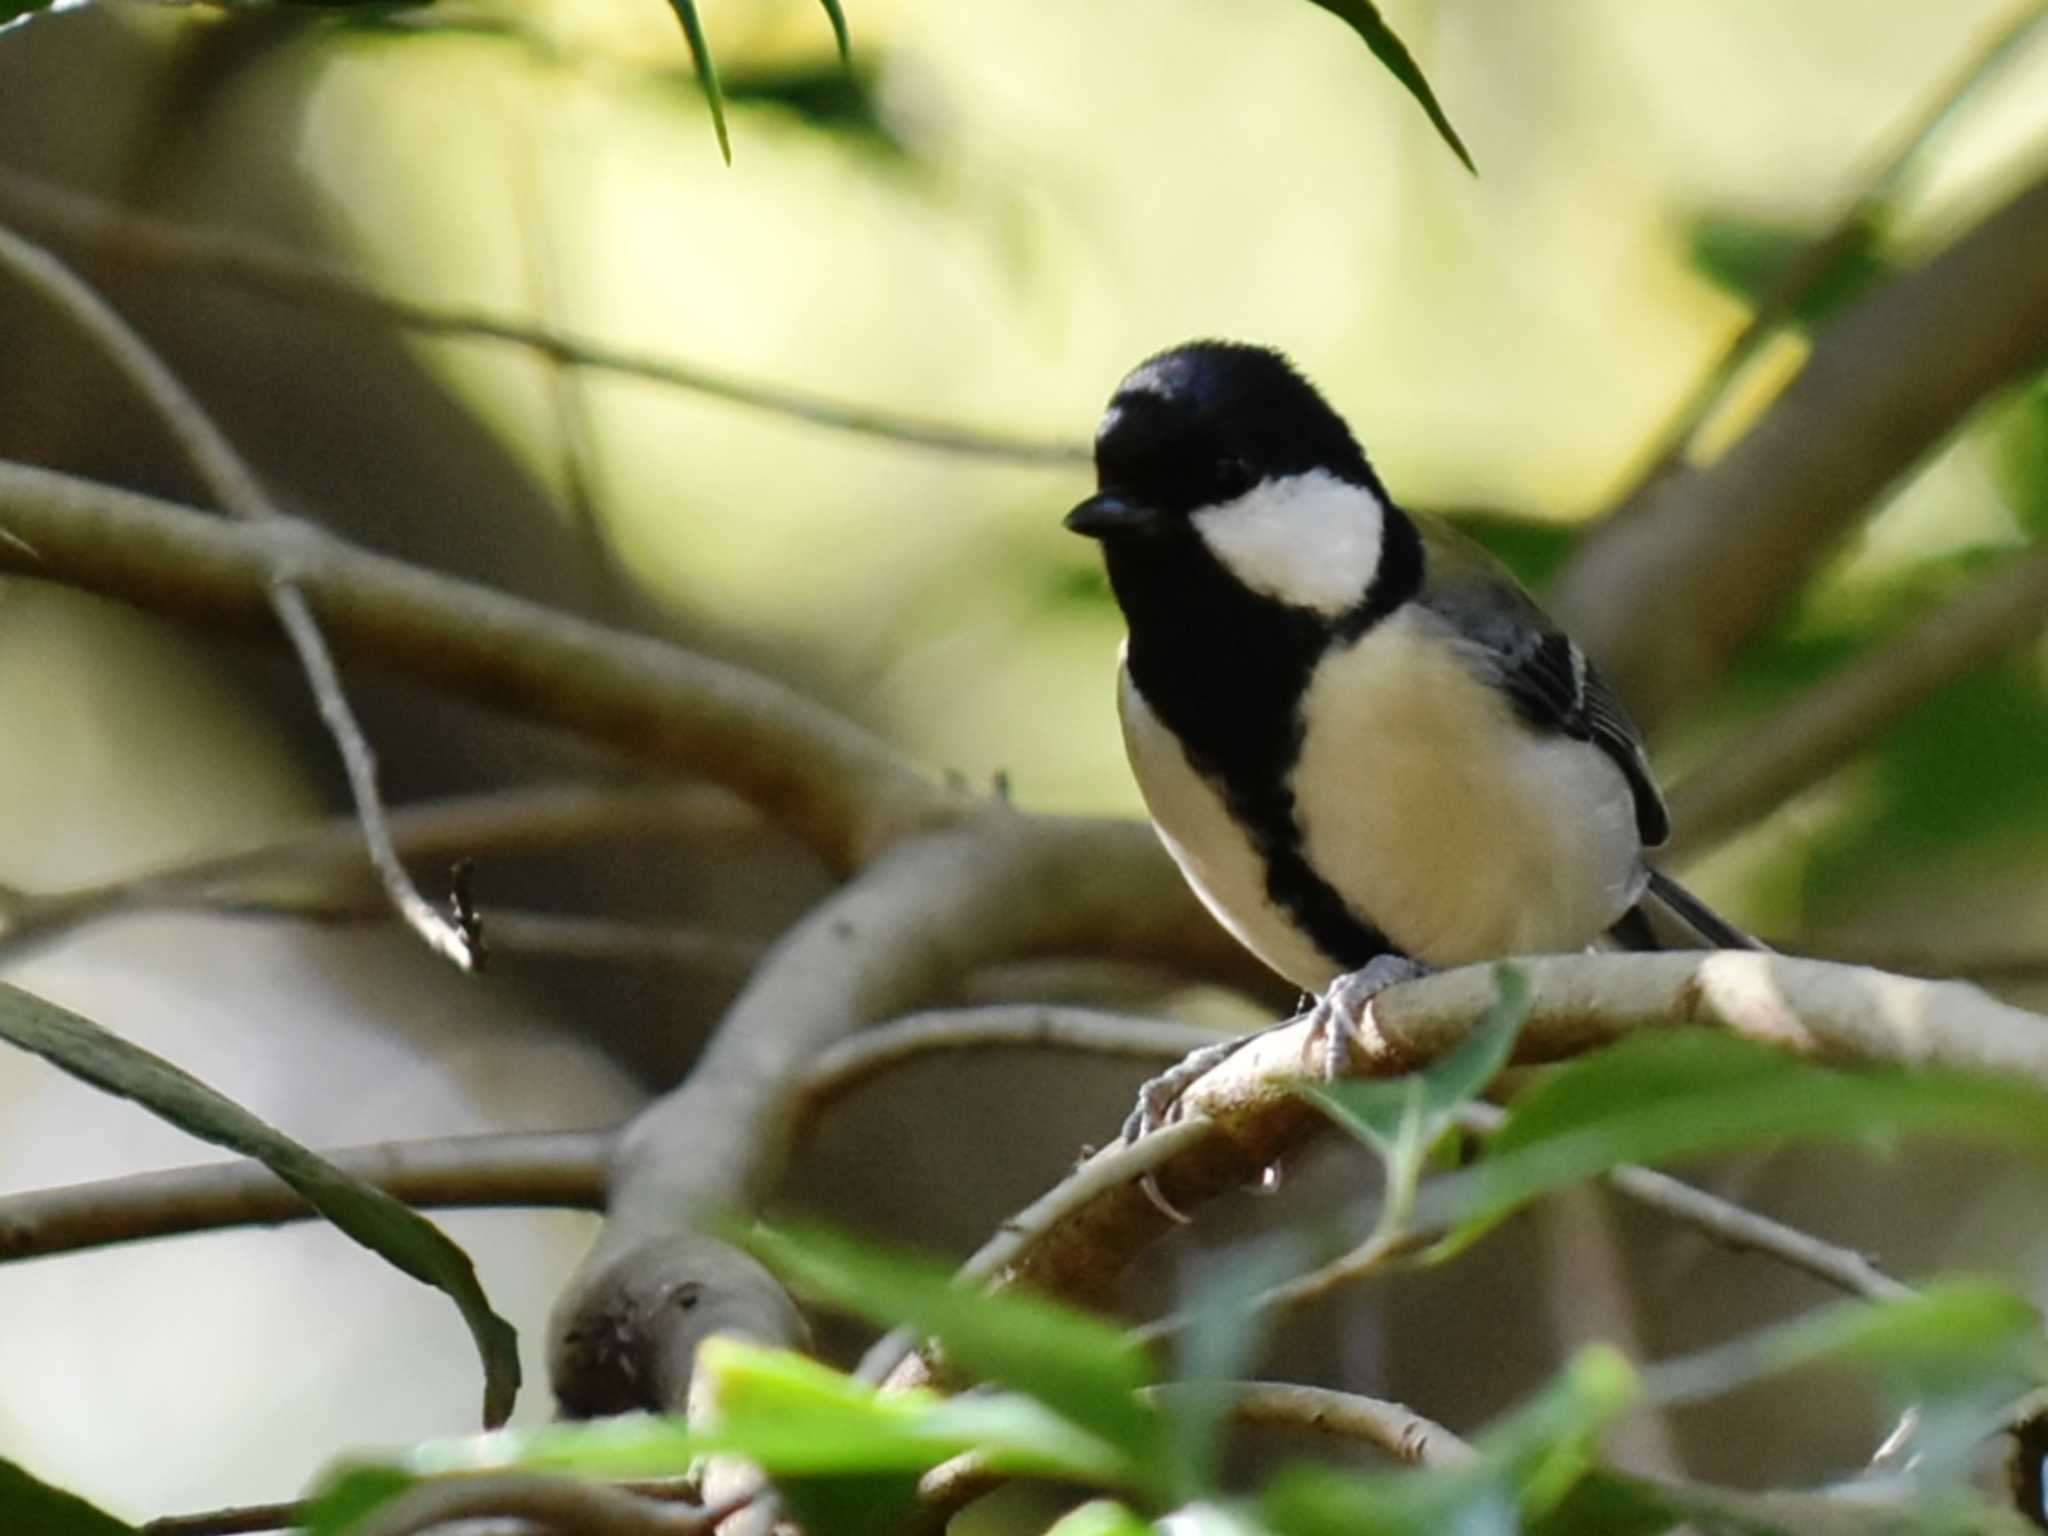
(1748, 258)
(1953, 1337)
(1363, 17)
(27, 1503)
(1084, 1369)
(1671, 1094)
(840, 35)
(401, 1235)
(707, 71)
(349, 1495)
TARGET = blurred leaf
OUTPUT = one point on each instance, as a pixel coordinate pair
(1669, 1094)
(1954, 1336)
(841, 1451)
(1086, 1370)
(28, 1504)
(2021, 456)
(1619, 1504)
(401, 1235)
(341, 1500)
(707, 71)
(1363, 17)
(1219, 1347)
(828, 98)
(1964, 769)
(1748, 258)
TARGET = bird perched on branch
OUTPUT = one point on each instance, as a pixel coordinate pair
(1368, 749)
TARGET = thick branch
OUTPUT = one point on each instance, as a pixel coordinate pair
(1078, 1244)
(1664, 598)
(844, 792)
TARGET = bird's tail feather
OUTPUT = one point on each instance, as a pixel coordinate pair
(1693, 918)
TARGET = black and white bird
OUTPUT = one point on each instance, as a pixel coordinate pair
(1366, 747)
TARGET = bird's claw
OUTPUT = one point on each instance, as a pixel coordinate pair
(1338, 1016)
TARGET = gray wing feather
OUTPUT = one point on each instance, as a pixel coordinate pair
(1545, 675)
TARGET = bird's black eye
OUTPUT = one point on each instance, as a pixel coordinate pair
(1232, 478)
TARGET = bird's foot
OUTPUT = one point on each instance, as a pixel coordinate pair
(1159, 1100)
(1339, 1014)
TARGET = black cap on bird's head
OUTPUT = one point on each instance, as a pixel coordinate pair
(1202, 424)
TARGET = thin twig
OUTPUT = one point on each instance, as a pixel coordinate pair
(1026, 1026)
(230, 479)
(262, 266)
(277, 875)
(1860, 219)
(1825, 726)
(290, 1515)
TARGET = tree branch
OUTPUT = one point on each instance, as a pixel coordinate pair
(548, 1168)
(260, 266)
(839, 789)
(1400, 1431)
(1077, 1239)
(1666, 591)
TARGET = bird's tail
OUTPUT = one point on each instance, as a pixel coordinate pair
(1668, 912)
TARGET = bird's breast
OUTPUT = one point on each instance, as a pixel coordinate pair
(1432, 809)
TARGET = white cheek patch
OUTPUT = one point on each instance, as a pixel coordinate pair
(1311, 540)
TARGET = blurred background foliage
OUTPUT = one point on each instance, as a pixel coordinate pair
(986, 218)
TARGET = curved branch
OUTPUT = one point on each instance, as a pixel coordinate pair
(995, 886)
(1077, 1239)
(1664, 593)
(841, 790)
(561, 1506)
(1400, 1431)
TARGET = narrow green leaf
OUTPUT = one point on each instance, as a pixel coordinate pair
(707, 71)
(1957, 1336)
(27, 1503)
(401, 1235)
(840, 35)
(1665, 1095)
(1363, 17)
(1080, 1367)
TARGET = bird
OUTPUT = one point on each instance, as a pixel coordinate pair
(1368, 749)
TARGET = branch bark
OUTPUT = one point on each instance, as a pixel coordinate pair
(841, 790)
(1667, 590)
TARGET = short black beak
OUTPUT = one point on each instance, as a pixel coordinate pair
(1107, 515)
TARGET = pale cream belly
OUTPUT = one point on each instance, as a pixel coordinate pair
(1438, 817)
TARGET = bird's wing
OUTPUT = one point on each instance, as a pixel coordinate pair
(1550, 681)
